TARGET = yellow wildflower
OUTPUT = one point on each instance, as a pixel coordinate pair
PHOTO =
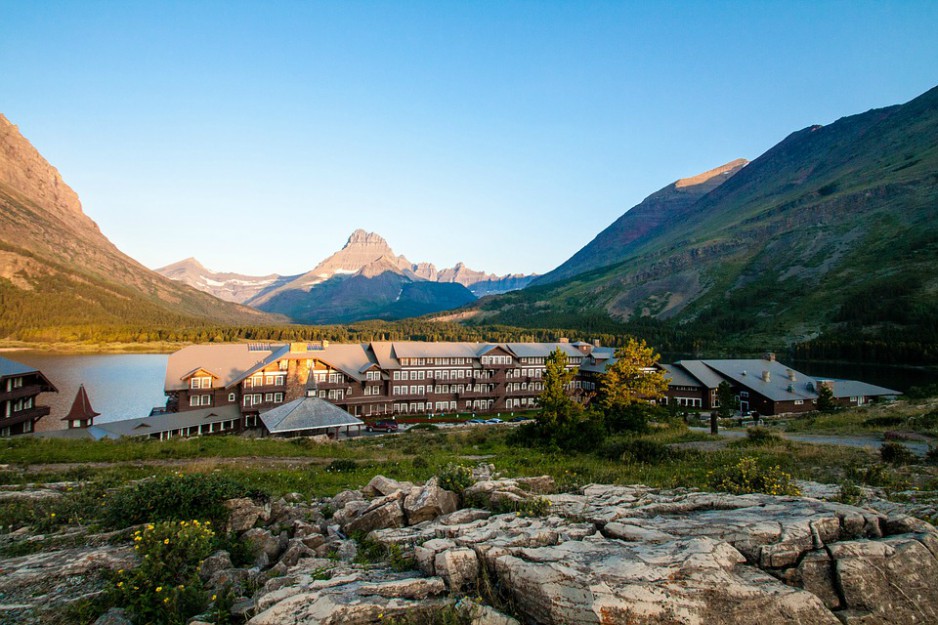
(159, 589)
(165, 541)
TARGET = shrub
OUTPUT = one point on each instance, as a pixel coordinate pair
(455, 477)
(426, 427)
(341, 465)
(633, 417)
(932, 456)
(850, 493)
(762, 436)
(174, 498)
(165, 587)
(922, 392)
(746, 476)
(882, 422)
(419, 462)
(896, 454)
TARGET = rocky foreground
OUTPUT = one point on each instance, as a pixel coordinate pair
(607, 554)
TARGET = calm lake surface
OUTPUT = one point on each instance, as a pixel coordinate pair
(120, 386)
(126, 386)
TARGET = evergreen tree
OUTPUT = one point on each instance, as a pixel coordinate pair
(825, 398)
(556, 405)
(729, 404)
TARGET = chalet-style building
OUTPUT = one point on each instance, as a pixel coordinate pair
(20, 386)
(762, 385)
(370, 379)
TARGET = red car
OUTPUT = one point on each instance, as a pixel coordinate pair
(382, 426)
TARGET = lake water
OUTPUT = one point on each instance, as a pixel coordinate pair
(120, 386)
(126, 386)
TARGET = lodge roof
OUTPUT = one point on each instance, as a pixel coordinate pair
(228, 361)
(306, 414)
(11, 368)
(679, 377)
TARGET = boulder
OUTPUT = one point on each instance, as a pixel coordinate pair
(243, 514)
(382, 513)
(264, 543)
(428, 502)
(459, 567)
(380, 485)
(218, 561)
(114, 616)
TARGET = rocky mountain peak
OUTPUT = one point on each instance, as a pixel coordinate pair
(361, 238)
(25, 171)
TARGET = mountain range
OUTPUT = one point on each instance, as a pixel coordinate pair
(58, 270)
(363, 280)
(832, 233)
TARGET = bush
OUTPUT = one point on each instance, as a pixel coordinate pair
(850, 493)
(633, 417)
(746, 476)
(922, 392)
(883, 422)
(341, 465)
(762, 436)
(932, 456)
(423, 427)
(455, 477)
(896, 454)
(174, 498)
(165, 588)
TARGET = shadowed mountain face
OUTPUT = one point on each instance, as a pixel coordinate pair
(385, 295)
(662, 209)
(396, 288)
(57, 269)
(834, 230)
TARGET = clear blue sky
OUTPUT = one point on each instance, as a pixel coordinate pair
(257, 136)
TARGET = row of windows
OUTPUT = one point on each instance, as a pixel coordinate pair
(496, 360)
(276, 379)
(262, 398)
(13, 383)
(421, 362)
(202, 382)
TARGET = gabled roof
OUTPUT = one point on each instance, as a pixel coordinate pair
(419, 349)
(854, 388)
(168, 421)
(11, 368)
(700, 370)
(352, 360)
(679, 377)
(780, 387)
(543, 350)
(306, 414)
(228, 361)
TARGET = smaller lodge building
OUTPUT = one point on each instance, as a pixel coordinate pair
(20, 386)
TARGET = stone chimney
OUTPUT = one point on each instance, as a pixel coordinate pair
(596, 343)
(770, 356)
(766, 376)
(297, 348)
(325, 344)
(563, 339)
(791, 374)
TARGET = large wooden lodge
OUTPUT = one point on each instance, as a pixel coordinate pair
(370, 380)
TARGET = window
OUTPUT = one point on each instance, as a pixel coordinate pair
(17, 382)
(799, 402)
(278, 397)
(206, 400)
(193, 400)
(284, 365)
(232, 397)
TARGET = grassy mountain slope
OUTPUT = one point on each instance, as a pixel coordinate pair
(833, 231)
(58, 269)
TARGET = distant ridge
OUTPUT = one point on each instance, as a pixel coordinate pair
(363, 280)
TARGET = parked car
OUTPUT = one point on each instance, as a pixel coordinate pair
(519, 419)
(475, 421)
(493, 421)
(382, 426)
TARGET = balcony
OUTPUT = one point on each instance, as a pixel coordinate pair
(266, 388)
(21, 416)
(29, 390)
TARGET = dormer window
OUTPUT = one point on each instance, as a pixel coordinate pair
(200, 382)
